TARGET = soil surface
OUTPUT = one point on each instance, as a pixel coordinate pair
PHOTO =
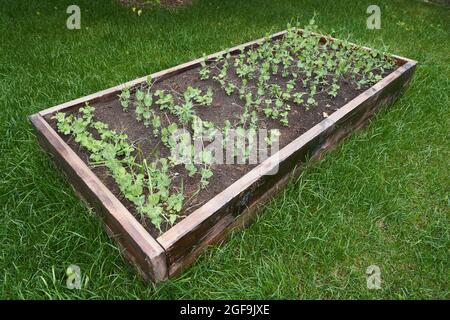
(224, 107)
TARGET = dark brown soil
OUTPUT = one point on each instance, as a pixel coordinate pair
(224, 107)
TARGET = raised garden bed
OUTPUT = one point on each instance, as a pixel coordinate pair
(122, 148)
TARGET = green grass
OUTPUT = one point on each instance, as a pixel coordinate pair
(382, 198)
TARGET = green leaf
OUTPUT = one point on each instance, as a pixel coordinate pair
(148, 100)
(172, 218)
(153, 199)
(139, 95)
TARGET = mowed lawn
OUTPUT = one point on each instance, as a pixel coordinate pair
(382, 198)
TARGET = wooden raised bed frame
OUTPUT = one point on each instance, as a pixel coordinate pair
(158, 259)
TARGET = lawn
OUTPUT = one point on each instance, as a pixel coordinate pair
(381, 199)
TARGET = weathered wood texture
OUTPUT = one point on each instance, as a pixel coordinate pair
(234, 207)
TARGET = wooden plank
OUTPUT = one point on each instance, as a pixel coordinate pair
(139, 247)
(211, 222)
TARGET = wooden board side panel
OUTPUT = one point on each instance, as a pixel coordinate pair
(136, 244)
(183, 249)
(359, 117)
